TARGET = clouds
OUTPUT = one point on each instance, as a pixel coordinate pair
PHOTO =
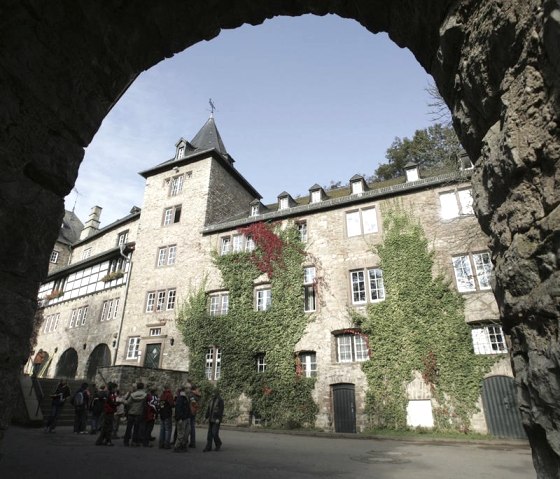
(299, 101)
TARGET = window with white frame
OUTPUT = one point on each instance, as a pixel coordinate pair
(308, 364)
(122, 238)
(316, 196)
(163, 300)
(172, 215)
(264, 299)
(176, 185)
(237, 243)
(110, 309)
(54, 256)
(166, 256)
(249, 244)
(261, 362)
(357, 187)
(464, 265)
(78, 317)
(309, 285)
(254, 210)
(213, 363)
(302, 229)
(51, 323)
(219, 303)
(133, 348)
(361, 222)
(351, 347)
(155, 331)
(367, 286)
(456, 203)
(488, 339)
(86, 253)
(180, 152)
(225, 245)
(283, 203)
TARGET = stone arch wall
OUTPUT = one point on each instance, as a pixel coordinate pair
(64, 64)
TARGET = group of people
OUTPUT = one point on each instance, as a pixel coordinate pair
(107, 407)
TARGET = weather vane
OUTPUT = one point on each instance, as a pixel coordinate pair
(212, 107)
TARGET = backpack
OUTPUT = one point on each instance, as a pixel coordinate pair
(78, 399)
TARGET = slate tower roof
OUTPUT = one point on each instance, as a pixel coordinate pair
(209, 138)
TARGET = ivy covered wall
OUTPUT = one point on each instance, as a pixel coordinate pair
(279, 395)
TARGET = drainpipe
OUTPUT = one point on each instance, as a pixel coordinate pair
(128, 258)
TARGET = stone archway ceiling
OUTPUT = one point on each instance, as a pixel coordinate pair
(64, 64)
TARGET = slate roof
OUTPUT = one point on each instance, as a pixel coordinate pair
(209, 138)
(71, 228)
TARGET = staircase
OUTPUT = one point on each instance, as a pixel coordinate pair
(66, 415)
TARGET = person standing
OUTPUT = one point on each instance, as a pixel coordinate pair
(58, 398)
(214, 414)
(109, 408)
(150, 415)
(119, 414)
(80, 402)
(166, 404)
(96, 408)
(135, 426)
(182, 415)
(194, 401)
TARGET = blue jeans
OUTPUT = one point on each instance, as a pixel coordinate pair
(165, 432)
(213, 435)
(193, 431)
(135, 427)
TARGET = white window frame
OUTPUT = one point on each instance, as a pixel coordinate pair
(308, 361)
(166, 256)
(162, 256)
(302, 229)
(463, 267)
(316, 196)
(488, 339)
(176, 185)
(263, 299)
(249, 244)
(309, 284)
(150, 301)
(110, 309)
(155, 331)
(86, 253)
(456, 203)
(351, 348)
(362, 221)
(54, 256)
(261, 362)
(122, 238)
(364, 283)
(283, 203)
(237, 243)
(254, 210)
(133, 348)
(213, 363)
(171, 299)
(171, 255)
(219, 304)
(172, 215)
(225, 245)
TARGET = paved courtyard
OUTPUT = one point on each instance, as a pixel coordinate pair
(30, 453)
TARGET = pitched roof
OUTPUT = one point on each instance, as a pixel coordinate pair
(208, 137)
(71, 228)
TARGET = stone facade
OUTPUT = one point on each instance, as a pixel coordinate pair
(192, 204)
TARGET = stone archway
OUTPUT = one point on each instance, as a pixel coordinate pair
(99, 357)
(64, 64)
(67, 364)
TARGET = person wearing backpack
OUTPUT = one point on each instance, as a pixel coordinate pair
(80, 401)
(135, 425)
(109, 409)
(96, 408)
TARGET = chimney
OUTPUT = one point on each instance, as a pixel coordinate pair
(411, 170)
(92, 224)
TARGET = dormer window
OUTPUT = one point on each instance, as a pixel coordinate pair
(357, 188)
(181, 151)
(316, 196)
(254, 210)
(283, 203)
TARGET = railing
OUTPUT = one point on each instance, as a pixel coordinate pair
(36, 387)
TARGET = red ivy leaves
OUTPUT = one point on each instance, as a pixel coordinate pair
(269, 246)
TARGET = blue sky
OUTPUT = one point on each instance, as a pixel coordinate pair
(299, 101)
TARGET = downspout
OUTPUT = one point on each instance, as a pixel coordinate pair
(128, 258)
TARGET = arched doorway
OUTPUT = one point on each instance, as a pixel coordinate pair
(99, 357)
(67, 365)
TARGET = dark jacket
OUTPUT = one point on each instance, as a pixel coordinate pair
(215, 411)
(182, 409)
(166, 403)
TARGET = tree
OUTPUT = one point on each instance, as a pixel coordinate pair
(435, 146)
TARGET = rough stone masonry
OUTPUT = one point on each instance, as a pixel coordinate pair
(64, 64)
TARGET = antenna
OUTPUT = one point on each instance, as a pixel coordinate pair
(212, 107)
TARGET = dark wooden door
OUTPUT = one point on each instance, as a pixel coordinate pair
(153, 353)
(500, 408)
(344, 406)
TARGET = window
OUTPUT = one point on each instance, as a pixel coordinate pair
(166, 256)
(86, 253)
(155, 331)
(249, 244)
(488, 339)
(78, 317)
(316, 196)
(213, 363)
(133, 349)
(176, 185)
(54, 256)
(163, 300)
(456, 203)
(171, 215)
(180, 151)
(226, 245)
(351, 347)
(361, 222)
(463, 267)
(110, 309)
(283, 203)
(357, 187)
(122, 238)
(302, 229)
(371, 290)
(254, 210)
(219, 304)
(51, 323)
(264, 299)
(261, 362)
(309, 289)
(307, 363)
(237, 243)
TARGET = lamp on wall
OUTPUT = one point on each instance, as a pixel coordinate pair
(85, 345)
(172, 341)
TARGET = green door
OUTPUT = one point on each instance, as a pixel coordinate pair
(153, 353)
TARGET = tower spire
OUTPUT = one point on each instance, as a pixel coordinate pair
(212, 107)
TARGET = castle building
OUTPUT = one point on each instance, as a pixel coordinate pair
(113, 298)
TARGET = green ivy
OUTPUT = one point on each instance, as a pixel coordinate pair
(279, 396)
(419, 327)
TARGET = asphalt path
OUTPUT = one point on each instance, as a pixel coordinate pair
(33, 454)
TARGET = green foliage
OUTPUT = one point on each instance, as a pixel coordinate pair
(435, 146)
(278, 395)
(419, 327)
